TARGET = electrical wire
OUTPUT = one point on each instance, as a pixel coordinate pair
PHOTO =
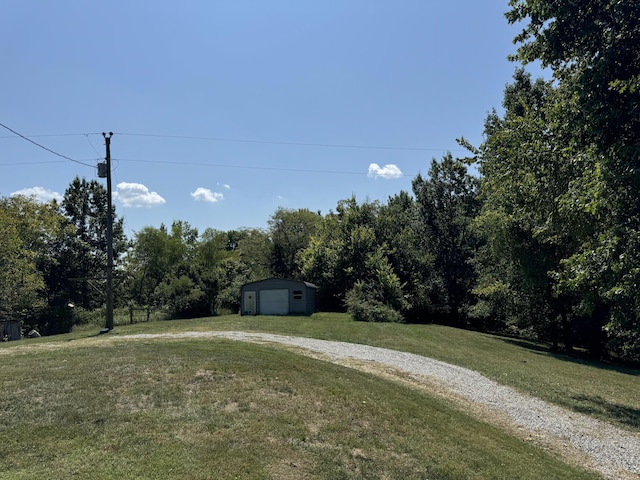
(273, 142)
(52, 135)
(217, 139)
(243, 167)
(199, 164)
(89, 140)
(45, 148)
(46, 162)
(246, 140)
(123, 214)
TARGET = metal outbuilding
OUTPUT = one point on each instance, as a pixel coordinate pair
(10, 330)
(278, 296)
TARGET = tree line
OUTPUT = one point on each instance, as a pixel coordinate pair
(535, 233)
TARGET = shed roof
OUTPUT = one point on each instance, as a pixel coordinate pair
(308, 284)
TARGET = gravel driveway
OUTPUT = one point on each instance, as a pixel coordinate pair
(613, 452)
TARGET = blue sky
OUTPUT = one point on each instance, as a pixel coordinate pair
(223, 111)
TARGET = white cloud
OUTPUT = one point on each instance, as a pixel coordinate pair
(206, 195)
(387, 172)
(137, 195)
(225, 186)
(41, 194)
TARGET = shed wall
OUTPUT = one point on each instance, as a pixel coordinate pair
(10, 329)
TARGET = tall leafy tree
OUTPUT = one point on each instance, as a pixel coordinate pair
(347, 255)
(525, 174)
(399, 226)
(21, 283)
(231, 274)
(164, 267)
(335, 258)
(448, 202)
(37, 271)
(591, 48)
(254, 248)
(290, 231)
(213, 249)
(153, 257)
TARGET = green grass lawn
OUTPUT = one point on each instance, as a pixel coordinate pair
(218, 409)
(76, 406)
(604, 391)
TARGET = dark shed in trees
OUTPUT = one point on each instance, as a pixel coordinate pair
(278, 296)
(10, 330)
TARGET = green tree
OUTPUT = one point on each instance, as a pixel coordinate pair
(591, 48)
(254, 248)
(448, 202)
(152, 257)
(399, 227)
(164, 267)
(527, 233)
(229, 260)
(85, 256)
(346, 255)
(182, 297)
(290, 232)
(335, 258)
(43, 237)
(213, 249)
(231, 274)
(21, 283)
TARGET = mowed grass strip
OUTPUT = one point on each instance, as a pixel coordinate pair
(604, 391)
(208, 408)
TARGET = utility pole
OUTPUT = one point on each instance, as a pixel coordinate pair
(109, 322)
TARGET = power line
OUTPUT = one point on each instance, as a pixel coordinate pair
(243, 167)
(273, 142)
(201, 164)
(247, 140)
(45, 148)
(89, 140)
(45, 162)
(52, 135)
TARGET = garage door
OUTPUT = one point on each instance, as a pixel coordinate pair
(274, 302)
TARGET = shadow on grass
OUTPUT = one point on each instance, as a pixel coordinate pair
(597, 406)
(543, 349)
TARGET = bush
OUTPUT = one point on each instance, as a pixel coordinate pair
(82, 316)
(183, 298)
(625, 345)
(373, 312)
(363, 308)
(54, 320)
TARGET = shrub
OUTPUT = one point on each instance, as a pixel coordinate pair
(373, 312)
(364, 308)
